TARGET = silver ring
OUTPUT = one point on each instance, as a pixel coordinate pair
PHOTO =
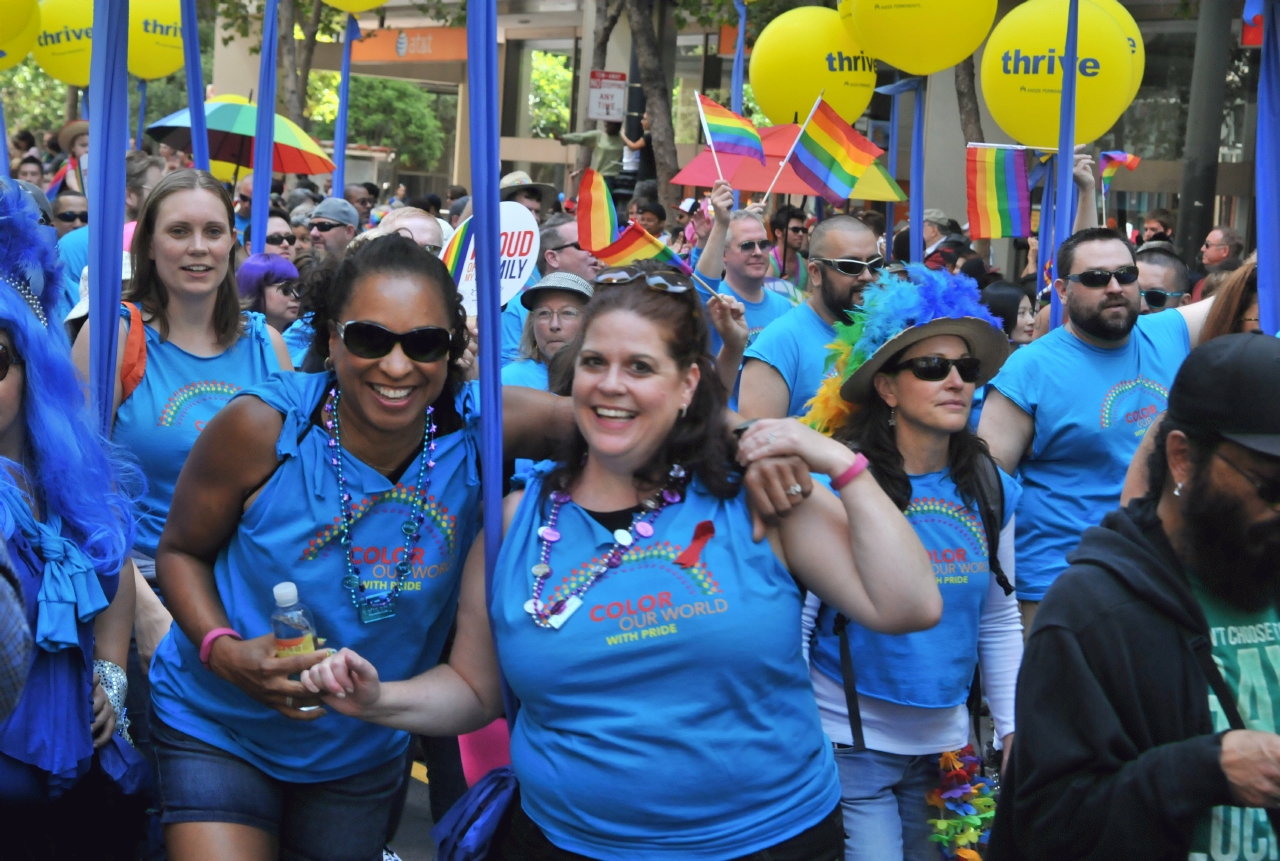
(288, 702)
(795, 490)
(771, 437)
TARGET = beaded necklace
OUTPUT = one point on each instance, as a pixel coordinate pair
(554, 616)
(382, 606)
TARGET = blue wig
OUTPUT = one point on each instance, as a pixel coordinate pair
(260, 271)
(73, 471)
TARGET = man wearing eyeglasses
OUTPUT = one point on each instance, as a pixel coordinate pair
(1163, 279)
(558, 251)
(787, 363)
(243, 206)
(1070, 408)
(70, 210)
(790, 248)
(1150, 686)
(334, 223)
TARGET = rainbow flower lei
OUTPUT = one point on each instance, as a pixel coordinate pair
(966, 806)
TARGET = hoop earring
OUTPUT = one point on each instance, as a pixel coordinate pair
(684, 411)
(892, 420)
(328, 363)
(1177, 490)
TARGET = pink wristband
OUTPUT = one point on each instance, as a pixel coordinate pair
(859, 465)
(206, 645)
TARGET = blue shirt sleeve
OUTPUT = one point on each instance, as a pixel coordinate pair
(1015, 379)
(1167, 330)
(776, 347)
(707, 287)
(74, 251)
(513, 317)
(1012, 496)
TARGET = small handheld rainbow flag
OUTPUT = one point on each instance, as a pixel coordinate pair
(999, 197)
(729, 133)
(636, 243)
(455, 252)
(1112, 161)
(597, 218)
(829, 154)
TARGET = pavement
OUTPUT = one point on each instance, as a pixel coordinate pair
(413, 841)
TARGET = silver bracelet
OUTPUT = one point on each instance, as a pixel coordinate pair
(115, 683)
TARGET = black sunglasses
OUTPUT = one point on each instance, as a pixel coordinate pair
(1268, 490)
(750, 246)
(282, 239)
(244, 198)
(934, 369)
(70, 217)
(291, 289)
(1102, 277)
(663, 280)
(326, 226)
(850, 266)
(373, 341)
(1159, 298)
(794, 229)
(573, 245)
(7, 359)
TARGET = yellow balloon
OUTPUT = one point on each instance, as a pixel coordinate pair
(804, 52)
(898, 33)
(1137, 48)
(355, 5)
(1022, 74)
(65, 40)
(14, 17)
(16, 49)
(155, 38)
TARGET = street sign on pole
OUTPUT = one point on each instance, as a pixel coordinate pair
(607, 96)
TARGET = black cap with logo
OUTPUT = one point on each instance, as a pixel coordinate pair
(1231, 386)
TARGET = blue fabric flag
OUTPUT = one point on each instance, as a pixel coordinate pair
(1064, 211)
(265, 132)
(195, 85)
(1267, 171)
(344, 96)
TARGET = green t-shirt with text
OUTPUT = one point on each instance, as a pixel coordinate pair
(1246, 648)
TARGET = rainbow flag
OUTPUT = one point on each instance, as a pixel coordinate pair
(636, 243)
(729, 133)
(456, 250)
(829, 155)
(1112, 161)
(597, 219)
(999, 197)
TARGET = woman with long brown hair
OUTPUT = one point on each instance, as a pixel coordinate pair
(1236, 307)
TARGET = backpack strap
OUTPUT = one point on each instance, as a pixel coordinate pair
(134, 364)
(850, 681)
(991, 507)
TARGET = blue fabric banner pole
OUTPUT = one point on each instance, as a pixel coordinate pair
(4, 133)
(1064, 210)
(265, 132)
(344, 95)
(917, 177)
(482, 94)
(142, 113)
(84, 100)
(1046, 226)
(1267, 172)
(109, 85)
(195, 85)
(893, 172)
(739, 57)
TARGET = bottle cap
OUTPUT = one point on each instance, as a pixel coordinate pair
(286, 594)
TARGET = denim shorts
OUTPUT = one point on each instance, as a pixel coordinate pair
(350, 819)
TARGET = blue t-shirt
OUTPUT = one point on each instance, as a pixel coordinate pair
(298, 338)
(290, 533)
(512, 320)
(242, 229)
(795, 345)
(927, 669)
(525, 372)
(74, 251)
(759, 314)
(672, 715)
(1091, 407)
(177, 397)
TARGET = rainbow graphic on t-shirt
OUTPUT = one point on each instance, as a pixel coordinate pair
(178, 400)
(436, 514)
(1124, 387)
(954, 511)
(697, 578)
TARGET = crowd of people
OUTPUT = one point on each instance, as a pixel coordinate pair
(791, 524)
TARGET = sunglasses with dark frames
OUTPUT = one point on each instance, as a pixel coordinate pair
(326, 226)
(663, 280)
(367, 340)
(850, 266)
(290, 289)
(1159, 298)
(749, 246)
(244, 198)
(7, 359)
(282, 239)
(71, 217)
(794, 229)
(1268, 489)
(572, 245)
(1102, 277)
(934, 369)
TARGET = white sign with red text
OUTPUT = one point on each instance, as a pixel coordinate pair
(517, 253)
(607, 96)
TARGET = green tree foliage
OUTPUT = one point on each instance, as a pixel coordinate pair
(550, 86)
(390, 113)
(32, 100)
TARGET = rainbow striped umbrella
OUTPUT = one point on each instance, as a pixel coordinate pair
(231, 123)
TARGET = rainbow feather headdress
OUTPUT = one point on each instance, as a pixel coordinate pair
(890, 306)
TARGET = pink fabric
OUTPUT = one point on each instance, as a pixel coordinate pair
(129, 227)
(484, 750)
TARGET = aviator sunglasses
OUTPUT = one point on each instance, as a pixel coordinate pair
(367, 340)
(934, 369)
(1102, 277)
(852, 267)
(662, 280)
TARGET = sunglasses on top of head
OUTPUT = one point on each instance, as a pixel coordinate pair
(367, 340)
(1102, 277)
(850, 266)
(662, 280)
(934, 369)
(7, 360)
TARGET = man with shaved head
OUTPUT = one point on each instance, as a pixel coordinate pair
(786, 364)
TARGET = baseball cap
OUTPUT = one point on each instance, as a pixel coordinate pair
(556, 281)
(937, 216)
(36, 196)
(1231, 386)
(336, 209)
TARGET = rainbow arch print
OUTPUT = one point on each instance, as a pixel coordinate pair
(192, 391)
(698, 577)
(1124, 387)
(436, 514)
(953, 511)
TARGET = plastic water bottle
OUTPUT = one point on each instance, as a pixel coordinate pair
(292, 623)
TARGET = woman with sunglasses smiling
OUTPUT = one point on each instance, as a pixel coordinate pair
(905, 377)
(361, 486)
(653, 643)
(280, 238)
(269, 285)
